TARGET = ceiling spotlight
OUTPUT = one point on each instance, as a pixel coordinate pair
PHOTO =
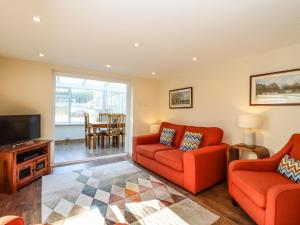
(194, 58)
(36, 19)
(41, 55)
(108, 66)
(136, 45)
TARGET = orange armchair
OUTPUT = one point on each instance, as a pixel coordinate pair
(268, 197)
(11, 220)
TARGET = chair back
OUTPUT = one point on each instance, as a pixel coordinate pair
(122, 123)
(114, 124)
(86, 121)
(104, 118)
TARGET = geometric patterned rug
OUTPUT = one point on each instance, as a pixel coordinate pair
(118, 192)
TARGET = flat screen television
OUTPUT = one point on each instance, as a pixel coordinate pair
(16, 129)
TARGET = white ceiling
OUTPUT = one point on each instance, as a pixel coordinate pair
(93, 33)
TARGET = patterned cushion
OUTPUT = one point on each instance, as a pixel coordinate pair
(290, 168)
(167, 136)
(191, 141)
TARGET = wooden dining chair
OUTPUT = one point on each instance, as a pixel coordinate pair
(104, 134)
(87, 131)
(114, 129)
(122, 126)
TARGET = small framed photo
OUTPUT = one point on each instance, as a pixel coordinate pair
(277, 88)
(181, 98)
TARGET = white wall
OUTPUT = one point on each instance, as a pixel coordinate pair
(221, 94)
(28, 87)
(63, 132)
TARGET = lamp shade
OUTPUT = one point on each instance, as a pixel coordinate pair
(249, 121)
(154, 128)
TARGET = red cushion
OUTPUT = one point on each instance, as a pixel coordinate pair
(256, 184)
(211, 135)
(295, 151)
(171, 158)
(178, 134)
(149, 150)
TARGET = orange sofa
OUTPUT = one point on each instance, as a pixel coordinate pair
(268, 197)
(193, 170)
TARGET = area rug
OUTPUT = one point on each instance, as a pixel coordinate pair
(118, 192)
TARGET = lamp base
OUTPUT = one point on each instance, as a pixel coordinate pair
(249, 137)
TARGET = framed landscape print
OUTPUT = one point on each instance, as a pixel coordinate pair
(181, 98)
(277, 88)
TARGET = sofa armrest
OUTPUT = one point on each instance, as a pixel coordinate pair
(204, 167)
(143, 140)
(283, 204)
(11, 220)
(146, 139)
(268, 164)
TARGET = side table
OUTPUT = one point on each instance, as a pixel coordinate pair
(234, 151)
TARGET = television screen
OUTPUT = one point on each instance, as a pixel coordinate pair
(19, 128)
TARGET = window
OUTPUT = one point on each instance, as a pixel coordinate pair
(76, 96)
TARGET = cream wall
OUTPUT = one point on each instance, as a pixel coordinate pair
(28, 87)
(221, 94)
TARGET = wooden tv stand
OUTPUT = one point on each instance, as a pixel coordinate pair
(22, 164)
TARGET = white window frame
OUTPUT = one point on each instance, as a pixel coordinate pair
(70, 98)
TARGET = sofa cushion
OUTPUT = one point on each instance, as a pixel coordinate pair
(171, 158)
(290, 168)
(149, 150)
(167, 136)
(211, 135)
(191, 141)
(256, 184)
(178, 134)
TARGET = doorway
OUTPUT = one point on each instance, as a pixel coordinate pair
(81, 131)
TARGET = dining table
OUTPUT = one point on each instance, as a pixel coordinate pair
(98, 125)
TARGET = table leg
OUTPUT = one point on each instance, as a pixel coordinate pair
(232, 154)
(94, 137)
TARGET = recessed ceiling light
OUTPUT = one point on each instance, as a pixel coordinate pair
(108, 66)
(36, 19)
(136, 44)
(194, 58)
(41, 55)
(153, 73)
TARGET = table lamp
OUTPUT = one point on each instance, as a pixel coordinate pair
(154, 128)
(249, 122)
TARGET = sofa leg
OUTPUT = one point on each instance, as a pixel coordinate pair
(233, 202)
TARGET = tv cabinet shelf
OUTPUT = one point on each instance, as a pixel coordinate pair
(21, 165)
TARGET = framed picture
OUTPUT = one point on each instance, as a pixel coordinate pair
(181, 98)
(277, 88)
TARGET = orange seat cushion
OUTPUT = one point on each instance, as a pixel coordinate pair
(149, 150)
(171, 158)
(256, 184)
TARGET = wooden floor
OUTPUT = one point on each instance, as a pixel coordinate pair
(72, 150)
(27, 201)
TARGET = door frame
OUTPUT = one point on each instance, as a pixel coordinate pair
(129, 114)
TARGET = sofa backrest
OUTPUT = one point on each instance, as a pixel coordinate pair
(178, 134)
(211, 135)
(295, 150)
